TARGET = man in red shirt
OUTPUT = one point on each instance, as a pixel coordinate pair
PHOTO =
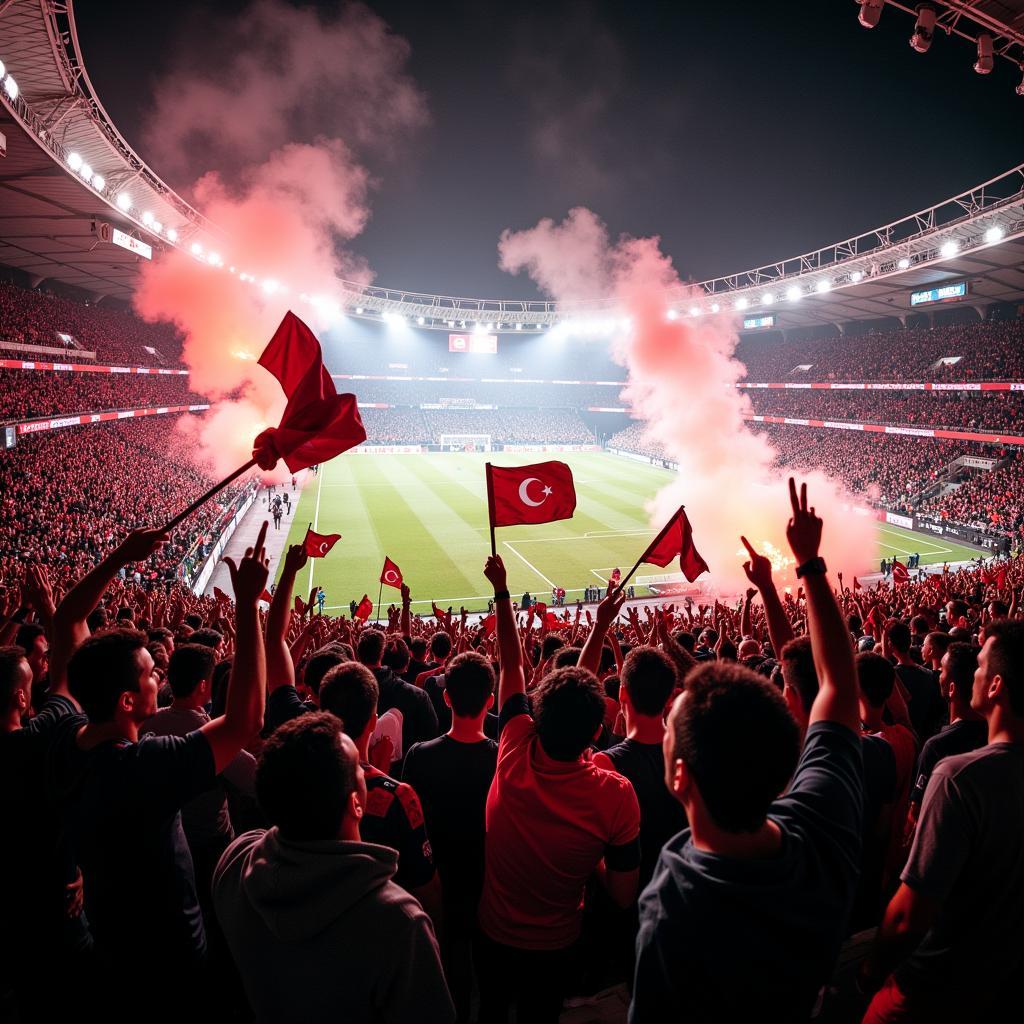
(554, 819)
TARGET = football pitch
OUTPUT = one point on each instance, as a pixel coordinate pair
(428, 513)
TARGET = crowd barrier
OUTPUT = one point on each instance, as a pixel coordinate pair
(883, 428)
(985, 385)
(36, 364)
(59, 422)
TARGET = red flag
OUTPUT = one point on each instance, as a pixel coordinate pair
(541, 493)
(488, 622)
(541, 609)
(552, 621)
(438, 614)
(935, 581)
(391, 575)
(987, 577)
(266, 596)
(856, 583)
(318, 423)
(300, 605)
(899, 572)
(319, 544)
(1001, 579)
(365, 608)
(220, 595)
(677, 539)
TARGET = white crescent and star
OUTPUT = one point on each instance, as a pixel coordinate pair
(524, 495)
(323, 547)
(390, 576)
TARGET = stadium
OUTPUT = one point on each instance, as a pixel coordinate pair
(222, 430)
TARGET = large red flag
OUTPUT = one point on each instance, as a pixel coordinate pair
(489, 622)
(318, 423)
(540, 493)
(365, 608)
(900, 573)
(319, 544)
(677, 539)
(391, 575)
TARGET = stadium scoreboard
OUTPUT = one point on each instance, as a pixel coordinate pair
(758, 323)
(944, 293)
(486, 343)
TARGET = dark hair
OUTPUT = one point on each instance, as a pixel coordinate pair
(194, 621)
(469, 680)
(919, 624)
(96, 619)
(798, 672)
(190, 664)
(102, 668)
(649, 677)
(940, 641)
(370, 646)
(208, 637)
(28, 633)
(11, 657)
(899, 636)
(440, 645)
(876, 678)
(418, 647)
(685, 639)
(733, 731)
(568, 709)
(396, 655)
(159, 634)
(963, 662)
(321, 661)
(350, 692)
(304, 777)
(552, 642)
(566, 657)
(1006, 659)
(124, 614)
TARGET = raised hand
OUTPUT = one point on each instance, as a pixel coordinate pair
(295, 558)
(759, 568)
(494, 570)
(140, 544)
(609, 608)
(39, 593)
(804, 530)
(249, 577)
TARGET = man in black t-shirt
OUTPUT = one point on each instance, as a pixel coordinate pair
(925, 704)
(452, 775)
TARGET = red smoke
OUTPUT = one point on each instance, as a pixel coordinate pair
(681, 377)
(282, 210)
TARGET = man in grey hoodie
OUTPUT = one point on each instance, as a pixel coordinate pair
(316, 925)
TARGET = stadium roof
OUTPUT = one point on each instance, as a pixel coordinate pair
(69, 177)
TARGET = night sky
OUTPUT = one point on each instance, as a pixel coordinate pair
(741, 132)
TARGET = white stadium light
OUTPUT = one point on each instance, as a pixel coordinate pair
(173, 236)
(856, 276)
(823, 286)
(767, 299)
(157, 227)
(270, 286)
(85, 171)
(519, 327)
(715, 307)
(672, 314)
(903, 263)
(450, 323)
(924, 30)
(794, 294)
(11, 87)
(124, 201)
(949, 248)
(421, 320)
(74, 161)
(197, 250)
(983, 65)
(147, 218)
(98, 182)
(3, 69)
(741, 303)
(994, 234)
(695, 311)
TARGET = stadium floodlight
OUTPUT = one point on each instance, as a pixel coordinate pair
(173, 236)
(741, 303)
(994, 234)
(269, 286)
(767, 299)
(870, 12)
(695, 311)
(197, 250)
(11, 87)
(85, 171)
(672, 314)
(924, 30)
(984, 64)
(216, 261)
(74, 160)
(421, 320)
(156, 227)
(903, 264)
(715, 307)
(99, 182)
(519, 327)
(147, 218)
(856, 276)
(124, 201)
(949, 248)
(359, 310)
(450, 323)
(3, 69)
(794, 294)
(824, 285)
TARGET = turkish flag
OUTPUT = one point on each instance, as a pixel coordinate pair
(856, 583)
(391, 575)
(540, 609)
(266, 596)
(677, 539)
(488, 622)
(552, 621)
(899, 572)
(318, 423)
(319, 544)
(364, 609)
(541, 493)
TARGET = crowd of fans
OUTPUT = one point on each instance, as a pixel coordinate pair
(997, 411)
(988, 500)
(503, 426)
(992, 350)
(26, 394)
(64, 505)
(796, 804)
(37, 318)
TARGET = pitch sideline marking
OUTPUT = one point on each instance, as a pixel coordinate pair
(901, 535)
(508, 544)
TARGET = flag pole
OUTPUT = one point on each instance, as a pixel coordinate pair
(636, 565)
(380, 591)
(199, 502)
(490, 506)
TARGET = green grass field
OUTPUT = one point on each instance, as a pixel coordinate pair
(429, 514)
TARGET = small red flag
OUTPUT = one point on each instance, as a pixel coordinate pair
(318, 423)
(552, 621)
(1001, 579)
(541, 609)
(220, 595)
(900, 574)
(300, 606)
(541, 493)
(365, 608)
(856, 583)
(391, 575)
(319, 544)
(489, 622)
(266, 596)
(677, 539)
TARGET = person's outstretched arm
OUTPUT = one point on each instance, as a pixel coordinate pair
(830, 643)
(607, 610)
(280, 667)
(247, 685)
(511, 678)
(759, 572)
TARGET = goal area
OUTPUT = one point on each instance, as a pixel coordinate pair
(465, 442)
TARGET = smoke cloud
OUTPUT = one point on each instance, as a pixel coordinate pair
(681, 377)
(279, 127)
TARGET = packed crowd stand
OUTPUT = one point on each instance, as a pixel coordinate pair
(792, 805)
(985, 499)
(503, 426)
